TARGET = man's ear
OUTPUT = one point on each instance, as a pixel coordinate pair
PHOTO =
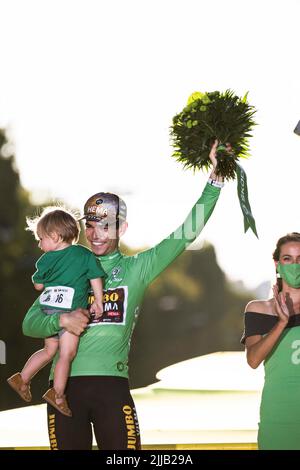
(123, 228)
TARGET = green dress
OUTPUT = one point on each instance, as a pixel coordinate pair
(279, 426)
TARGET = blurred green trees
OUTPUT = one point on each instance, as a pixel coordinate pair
(191, 309)
(18, 253)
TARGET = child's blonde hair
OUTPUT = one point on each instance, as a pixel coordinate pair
(56, 220)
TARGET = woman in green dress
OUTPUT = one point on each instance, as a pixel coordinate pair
(272, 335)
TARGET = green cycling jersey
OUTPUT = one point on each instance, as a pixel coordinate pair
(104, 346)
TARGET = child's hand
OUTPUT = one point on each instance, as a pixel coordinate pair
(97, 309)
(38, 286)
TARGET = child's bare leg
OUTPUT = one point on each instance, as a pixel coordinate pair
(39, 359)
(68, 344)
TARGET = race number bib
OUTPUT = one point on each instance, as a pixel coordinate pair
(57, 296)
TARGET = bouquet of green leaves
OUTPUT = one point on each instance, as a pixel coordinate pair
(210, 116)
(227, 118)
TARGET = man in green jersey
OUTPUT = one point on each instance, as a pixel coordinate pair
(98, 388)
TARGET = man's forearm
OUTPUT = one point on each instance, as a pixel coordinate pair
(195, 221)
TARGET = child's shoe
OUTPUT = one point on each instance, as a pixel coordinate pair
(51, 397)
(16, 382)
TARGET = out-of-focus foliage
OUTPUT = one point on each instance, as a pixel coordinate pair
(18, 253)
(191, 309)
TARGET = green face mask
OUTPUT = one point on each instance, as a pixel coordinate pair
(290, 273)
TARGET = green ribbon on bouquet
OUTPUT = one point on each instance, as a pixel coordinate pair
(227, 164)
(242, 190)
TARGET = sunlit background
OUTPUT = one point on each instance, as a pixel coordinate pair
(215, 409)
(88, 91)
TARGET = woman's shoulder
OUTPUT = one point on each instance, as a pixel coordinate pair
(260, 306)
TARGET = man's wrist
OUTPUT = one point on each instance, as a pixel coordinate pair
(215, 182)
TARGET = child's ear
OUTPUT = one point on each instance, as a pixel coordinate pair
(55, 237)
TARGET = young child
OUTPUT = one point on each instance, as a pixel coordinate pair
(64, 273)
